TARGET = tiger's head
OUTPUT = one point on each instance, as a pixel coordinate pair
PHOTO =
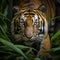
(29, 24)
(31, 20)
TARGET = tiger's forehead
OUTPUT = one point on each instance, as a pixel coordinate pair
(29, 16)
(34, 4)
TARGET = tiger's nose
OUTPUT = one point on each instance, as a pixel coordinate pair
(28, 34)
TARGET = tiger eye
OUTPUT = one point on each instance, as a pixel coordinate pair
(43, 8)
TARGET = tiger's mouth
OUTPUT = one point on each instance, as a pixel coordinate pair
(29, 24)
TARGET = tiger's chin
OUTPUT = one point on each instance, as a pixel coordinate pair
(33, 38)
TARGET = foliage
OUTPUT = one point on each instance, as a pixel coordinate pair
(58, 1)
(9, 50)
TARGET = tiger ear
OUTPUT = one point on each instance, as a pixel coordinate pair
(16, 8)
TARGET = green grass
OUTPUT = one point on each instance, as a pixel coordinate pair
(11, 50)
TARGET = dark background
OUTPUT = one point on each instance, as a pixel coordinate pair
(57, 21)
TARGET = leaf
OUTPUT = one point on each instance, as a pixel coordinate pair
(4, 33)
(23, 47)
(11, 45)
(56, 35)
(2, 15)
(58, 1)
(37, 59)
(54, 49)
(3, 22)
(5, 48)
(54, 18)
(4, 37)
(19, 46)
(56, 58)
(3, 5)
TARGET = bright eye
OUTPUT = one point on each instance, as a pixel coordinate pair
(22, 19)
(22, 22)
(35, 20)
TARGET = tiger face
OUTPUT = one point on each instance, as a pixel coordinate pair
(31, 19)
(30, 25)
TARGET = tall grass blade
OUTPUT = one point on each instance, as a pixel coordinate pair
(56, 35)
(11, 45)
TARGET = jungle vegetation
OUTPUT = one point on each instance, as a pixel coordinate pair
(9, 50)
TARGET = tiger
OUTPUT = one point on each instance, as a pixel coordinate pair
(30, 23)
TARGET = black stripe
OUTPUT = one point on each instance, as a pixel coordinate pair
(43, 27)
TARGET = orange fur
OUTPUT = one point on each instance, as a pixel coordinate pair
(29, 30)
